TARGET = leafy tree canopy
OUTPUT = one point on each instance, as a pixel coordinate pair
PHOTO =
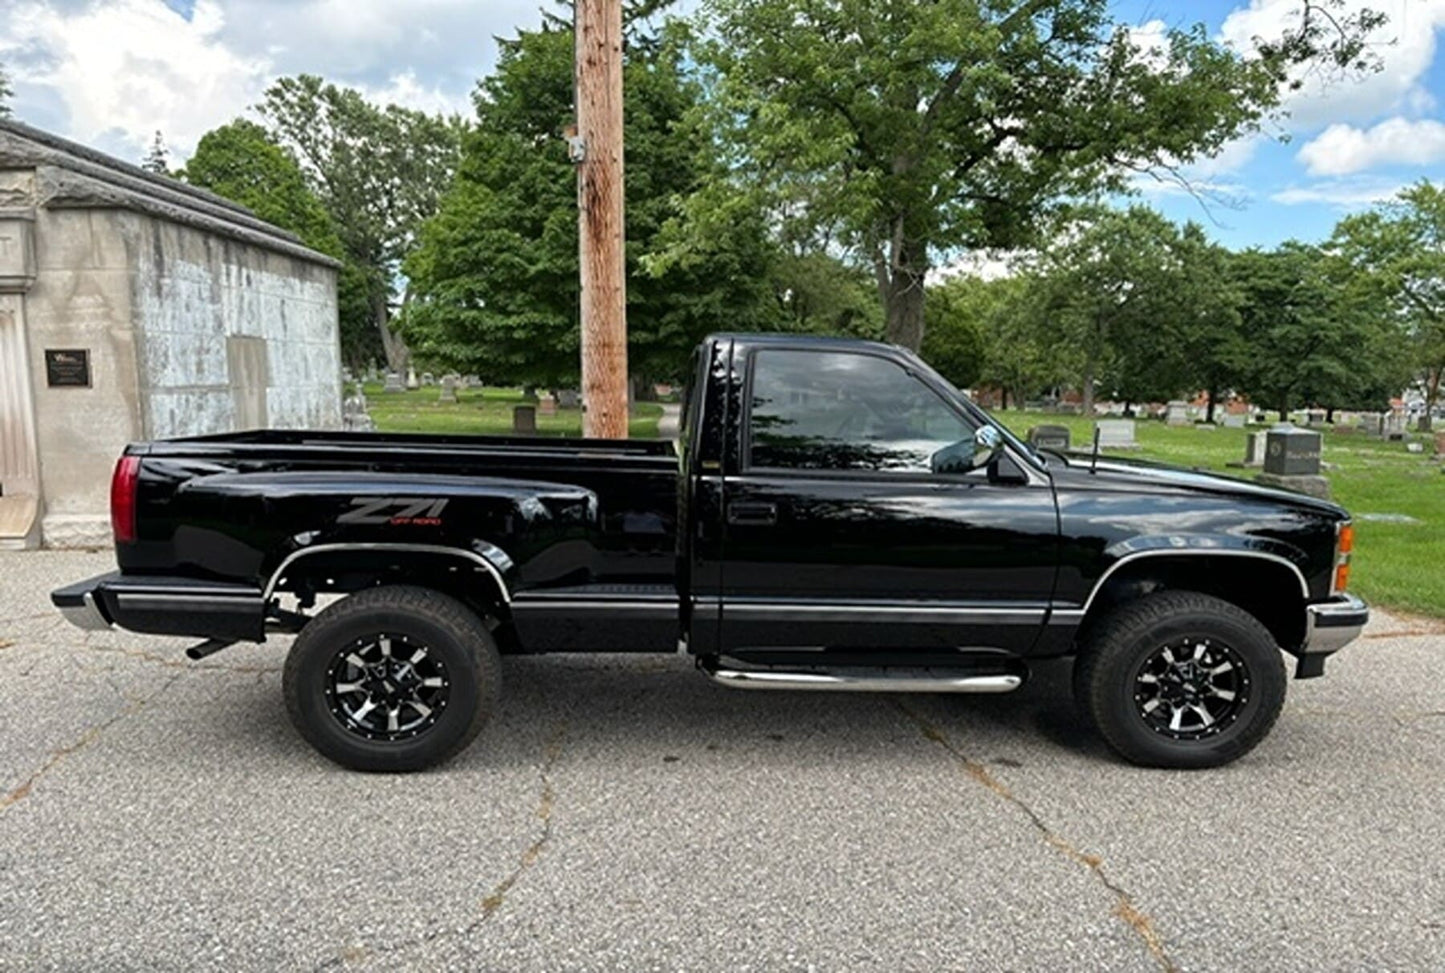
(918, 129)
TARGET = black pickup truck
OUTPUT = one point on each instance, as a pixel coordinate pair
(835, 517)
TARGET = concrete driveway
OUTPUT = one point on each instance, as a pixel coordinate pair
(623, 813)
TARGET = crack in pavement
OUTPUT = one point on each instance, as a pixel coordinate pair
(89, 737)
(494, 899)
(1124, 907)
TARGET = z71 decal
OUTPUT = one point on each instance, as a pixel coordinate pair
(396, 511)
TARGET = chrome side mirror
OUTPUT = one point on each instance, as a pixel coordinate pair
(987, 441)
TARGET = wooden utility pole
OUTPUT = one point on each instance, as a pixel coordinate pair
(600, 217)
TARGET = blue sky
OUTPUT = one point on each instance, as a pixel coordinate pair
(112, 72)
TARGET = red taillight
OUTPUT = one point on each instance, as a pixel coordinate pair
(122, 498)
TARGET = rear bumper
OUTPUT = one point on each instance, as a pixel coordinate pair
(1329, 627)
(164, 606)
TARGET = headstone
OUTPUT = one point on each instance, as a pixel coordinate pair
(1116, 434)
(1393, 425)
(346, 376)
(569, 398)
(1440, 444)
(1049, 437)
(411, 381)
(1315, 417)
(1371, 423)
(1414, 447)
(524, 419)
(1292, 452)
(449, 390)
(394, 383)
(473, 382)
(1254, 449)
(428, 379)
(1177, 414)
(546, 406)
(354, 417)
(1233, 420)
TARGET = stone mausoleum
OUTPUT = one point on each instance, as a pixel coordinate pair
(133, 306)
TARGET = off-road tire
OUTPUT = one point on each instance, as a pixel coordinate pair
(445, 626)
(1116, 649)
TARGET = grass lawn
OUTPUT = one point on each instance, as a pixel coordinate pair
(481, 412)
(1395, 565)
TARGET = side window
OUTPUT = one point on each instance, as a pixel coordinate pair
(815, 410)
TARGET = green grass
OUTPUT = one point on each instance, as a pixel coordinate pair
(1394, 565)
(483, 412)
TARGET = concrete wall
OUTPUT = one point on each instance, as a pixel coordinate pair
(231, 336)
(189, 333)
(81, 298)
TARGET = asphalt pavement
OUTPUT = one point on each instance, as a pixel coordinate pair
(624, 813)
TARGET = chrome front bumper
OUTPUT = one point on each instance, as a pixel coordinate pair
(1329, 626)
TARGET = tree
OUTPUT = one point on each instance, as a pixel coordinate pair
(6, 93)
(379, 171)
(495, 275)
(1207, 300)
(240, 162)
(1397, 254)
(1109, 293)
(917, 129)
(1308, 342)
(158, 157)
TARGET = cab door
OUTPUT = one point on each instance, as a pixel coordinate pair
(838, 532)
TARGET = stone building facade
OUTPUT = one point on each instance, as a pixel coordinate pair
(133, 306)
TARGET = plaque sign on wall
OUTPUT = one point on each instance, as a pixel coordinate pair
(67, 367)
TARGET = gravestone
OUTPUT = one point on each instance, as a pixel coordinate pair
(1254, 449)
(1440, 444)
(524, 419)
(472, 382)
(1049, 437)
(1393, 425)
(1292, 461)
(1233, 420)
(1371, 423)
(1177, 413)
(1315, 417)
(546, 406)
(394, 383)
(354, 417)
(428, 379)
(449, 390)
(569, 398)
(1116, 434)
(411, 381)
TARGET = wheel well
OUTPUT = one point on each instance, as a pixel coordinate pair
(346, 572)
(1268, 590)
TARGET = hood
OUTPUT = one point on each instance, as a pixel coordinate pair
(1144, 474)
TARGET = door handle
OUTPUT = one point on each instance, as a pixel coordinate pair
(756, 514)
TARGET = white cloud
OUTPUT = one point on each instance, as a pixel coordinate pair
(1342, 194)
(404, 89)
(1405, 47)
(132, 65)
(1342, 149)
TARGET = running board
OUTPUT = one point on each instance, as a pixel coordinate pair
(912, 682)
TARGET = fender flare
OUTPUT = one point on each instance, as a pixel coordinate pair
(488, 556)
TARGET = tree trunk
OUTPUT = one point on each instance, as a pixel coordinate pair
(391, 344)
(1432, 396)
(1284, 410)
(1088, 389)
(1330, 415)
(1209, 409)
(1003, 398)
(904, 308)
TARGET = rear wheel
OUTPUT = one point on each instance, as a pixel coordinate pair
(392, 679)
(1180, 679)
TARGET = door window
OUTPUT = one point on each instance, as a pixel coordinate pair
(817, 410)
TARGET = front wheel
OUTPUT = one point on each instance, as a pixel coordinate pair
(392, 679)
(1180, 679)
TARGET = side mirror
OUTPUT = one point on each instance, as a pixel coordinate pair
(968, 454)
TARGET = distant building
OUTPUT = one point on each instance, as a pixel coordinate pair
(133, 306)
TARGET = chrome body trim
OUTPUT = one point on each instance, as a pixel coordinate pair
(1332, 625)
(835, 682)
(295, 556)
(1185, 551)
(86, 615)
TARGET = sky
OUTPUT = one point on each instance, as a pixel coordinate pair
(110, 73)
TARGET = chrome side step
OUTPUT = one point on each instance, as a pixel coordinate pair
(913, 682)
